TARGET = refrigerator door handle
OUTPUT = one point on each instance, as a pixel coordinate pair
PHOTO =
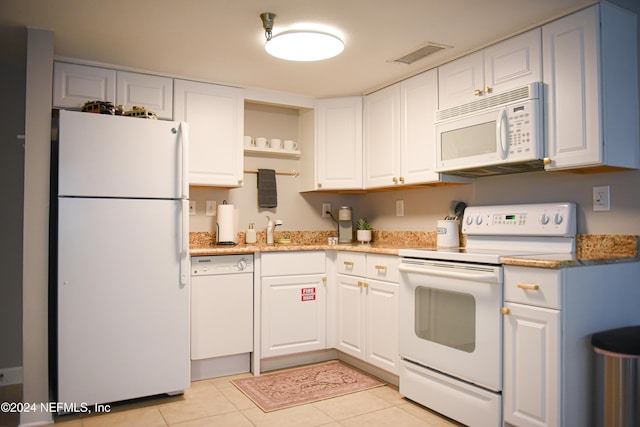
(184, 246)
(184, 158)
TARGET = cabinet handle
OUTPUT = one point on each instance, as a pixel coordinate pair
(477, 92)
(395, 180)
(365, 284)
(360, 284)
(487, 89)
(348, 263)
(240, 181)
(528, 286)
(319, 185)
(381, 267)
(505, 310)
(402, 179)
(324, 279)
(546, 161)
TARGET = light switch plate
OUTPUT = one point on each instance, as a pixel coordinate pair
(399, 207)
(602, 198)
(326, 207)
(192, 207)
(211, 208)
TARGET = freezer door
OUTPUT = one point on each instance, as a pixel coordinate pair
(114, 156)
(123, 313)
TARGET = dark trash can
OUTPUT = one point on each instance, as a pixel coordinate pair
(619, 354)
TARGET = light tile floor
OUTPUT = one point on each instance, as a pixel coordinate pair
(219, 403)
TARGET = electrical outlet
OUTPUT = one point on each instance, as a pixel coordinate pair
(602, 198)
(399, 207)
(326, 207)
(211, 208)
(192, 207)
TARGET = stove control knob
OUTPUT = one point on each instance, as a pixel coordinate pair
(557, 219)
(469, 220)
(479, 219)
(544, 219)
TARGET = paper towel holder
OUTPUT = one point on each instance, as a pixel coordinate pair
(226, 242)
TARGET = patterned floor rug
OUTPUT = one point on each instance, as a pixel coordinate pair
(298, 386)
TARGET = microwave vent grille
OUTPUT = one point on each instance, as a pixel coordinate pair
(521, 93)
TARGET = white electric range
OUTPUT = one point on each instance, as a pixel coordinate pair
(450, 301)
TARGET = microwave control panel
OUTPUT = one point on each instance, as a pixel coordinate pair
(523, 129)
(537, 219)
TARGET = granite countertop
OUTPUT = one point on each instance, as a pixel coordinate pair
(590, 249)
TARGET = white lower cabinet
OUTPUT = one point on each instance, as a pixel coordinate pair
(531, 358)
(293, 303)
(367, 308)
(549, 372)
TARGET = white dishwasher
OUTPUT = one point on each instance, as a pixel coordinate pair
(221, 315)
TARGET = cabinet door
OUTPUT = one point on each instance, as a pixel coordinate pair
(382, 137)
(531, 366)
(382, 325)
(216, 118)
(293, 314)
(351, 315)
(459, 80)
(73, 85)
(419, 102)
(570, 50)
(339, 143)
(152, 92)
(514, 62)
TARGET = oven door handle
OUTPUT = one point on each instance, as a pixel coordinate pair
(489, 276)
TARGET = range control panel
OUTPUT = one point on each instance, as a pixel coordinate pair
(535, 219)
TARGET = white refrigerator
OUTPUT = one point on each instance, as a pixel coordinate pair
(120, 251)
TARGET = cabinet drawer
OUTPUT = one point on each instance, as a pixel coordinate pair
(353, 263)
(383, 267)
(532, 286)
(292, 263)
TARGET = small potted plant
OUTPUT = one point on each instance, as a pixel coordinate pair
(363, 231)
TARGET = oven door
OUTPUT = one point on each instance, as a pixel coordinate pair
(450, 319)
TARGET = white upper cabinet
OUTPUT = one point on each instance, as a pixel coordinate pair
(155, 93)
(338, 148)
(419, 102)
(73, 85)
(382, 137)
(501, 67)
(399, 135)
(591, 77)
(216, 118)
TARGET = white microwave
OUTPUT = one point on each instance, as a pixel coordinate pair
(499, 134)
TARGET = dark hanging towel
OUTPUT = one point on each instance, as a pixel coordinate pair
(267, 192)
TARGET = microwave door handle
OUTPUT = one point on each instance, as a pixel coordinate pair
(501, 133)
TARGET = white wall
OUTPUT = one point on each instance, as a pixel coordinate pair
(35, 333)
(12, 86)
(424, 206)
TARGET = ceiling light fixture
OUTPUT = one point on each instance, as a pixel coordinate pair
(299, 45)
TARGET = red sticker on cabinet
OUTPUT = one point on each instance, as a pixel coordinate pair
(308, 294)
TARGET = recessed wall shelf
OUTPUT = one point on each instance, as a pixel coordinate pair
(272, 152)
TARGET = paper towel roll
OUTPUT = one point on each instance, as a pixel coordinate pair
(226, 223)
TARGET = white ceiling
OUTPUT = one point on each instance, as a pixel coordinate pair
(222, 40)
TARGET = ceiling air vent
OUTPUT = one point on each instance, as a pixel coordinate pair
(420, 53)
